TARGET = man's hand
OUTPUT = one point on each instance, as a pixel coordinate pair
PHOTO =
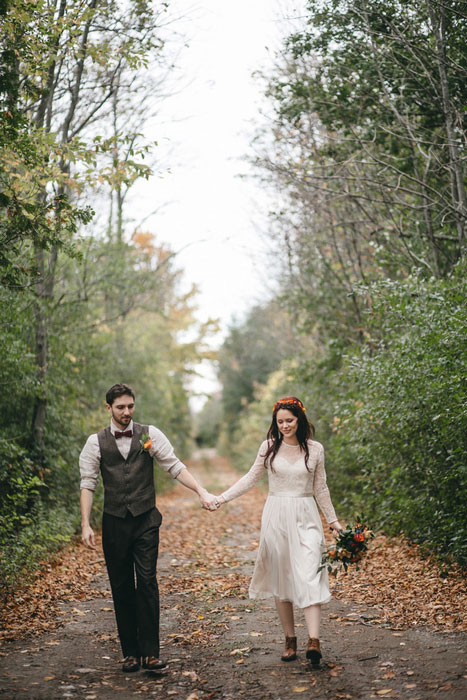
(87, 536)
(208, 500)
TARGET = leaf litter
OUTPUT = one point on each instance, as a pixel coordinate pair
(207, 575)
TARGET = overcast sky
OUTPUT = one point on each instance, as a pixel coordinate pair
(207, 127)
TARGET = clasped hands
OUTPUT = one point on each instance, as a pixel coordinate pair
(209, 501)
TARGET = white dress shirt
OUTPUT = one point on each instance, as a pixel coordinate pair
(161, 450)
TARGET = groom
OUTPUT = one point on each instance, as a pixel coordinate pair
(130, 522)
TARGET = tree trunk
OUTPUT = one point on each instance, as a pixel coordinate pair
(438, 21)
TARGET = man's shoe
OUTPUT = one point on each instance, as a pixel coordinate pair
(130, 664)
(313, 652)
(290, 651)
(152, 663)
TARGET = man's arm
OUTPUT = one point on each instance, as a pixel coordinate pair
(89, 461)
(207, 500)
(87, 533)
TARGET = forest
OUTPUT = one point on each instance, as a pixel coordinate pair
(365, 155)
(365, 152)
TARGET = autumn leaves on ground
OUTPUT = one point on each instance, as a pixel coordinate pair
(393, 629)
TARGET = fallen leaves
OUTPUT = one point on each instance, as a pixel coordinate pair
(388, 674)
(406, 587)
(34, 609)
(234, 652)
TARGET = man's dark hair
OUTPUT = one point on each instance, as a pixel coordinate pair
(118, 390)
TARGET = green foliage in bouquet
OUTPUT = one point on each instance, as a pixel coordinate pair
(349, 548)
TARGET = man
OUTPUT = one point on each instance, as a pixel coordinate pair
(123, 453)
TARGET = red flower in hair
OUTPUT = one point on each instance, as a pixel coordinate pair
(284, 402)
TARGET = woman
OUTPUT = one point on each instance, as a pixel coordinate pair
(292, 538)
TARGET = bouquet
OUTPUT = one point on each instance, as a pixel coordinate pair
(349, 548)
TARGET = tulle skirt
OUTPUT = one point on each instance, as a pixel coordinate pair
(289, 554)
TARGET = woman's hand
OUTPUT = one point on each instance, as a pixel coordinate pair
(208, 500)
(219, 501)
(336, 527)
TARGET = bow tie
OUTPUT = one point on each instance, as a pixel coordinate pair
(125, 433)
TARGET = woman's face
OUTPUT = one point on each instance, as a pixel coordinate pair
(286, 422)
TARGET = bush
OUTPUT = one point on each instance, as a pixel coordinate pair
(402, 428)
(29, 531)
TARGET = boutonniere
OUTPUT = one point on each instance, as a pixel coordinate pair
(145, 443)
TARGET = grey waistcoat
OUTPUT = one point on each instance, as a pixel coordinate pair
(128, 483)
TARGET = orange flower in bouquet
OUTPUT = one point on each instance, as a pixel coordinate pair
(350, 548)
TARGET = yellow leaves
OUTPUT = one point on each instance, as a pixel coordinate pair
(78, 612)
(388, 674)
(384, 691)
(49, 678)
(239, 651)
(334, 672)
(299, 689)
(192, 675)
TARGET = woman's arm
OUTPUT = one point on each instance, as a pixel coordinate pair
(248, 480)
(321, 493)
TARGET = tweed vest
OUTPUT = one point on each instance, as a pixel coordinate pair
(128, 483)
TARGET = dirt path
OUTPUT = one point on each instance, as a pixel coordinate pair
(218, 643)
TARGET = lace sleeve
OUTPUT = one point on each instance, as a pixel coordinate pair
(249, 479)
(321, 490)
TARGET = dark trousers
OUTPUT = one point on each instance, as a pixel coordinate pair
(130, 548)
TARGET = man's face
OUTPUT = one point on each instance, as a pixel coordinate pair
(122, 410)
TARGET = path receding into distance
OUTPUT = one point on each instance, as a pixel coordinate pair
(220, 644)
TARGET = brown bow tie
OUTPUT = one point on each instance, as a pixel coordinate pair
(125, 433)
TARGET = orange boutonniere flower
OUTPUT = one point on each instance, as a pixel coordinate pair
(145, 443)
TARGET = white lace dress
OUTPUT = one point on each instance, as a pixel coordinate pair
(292, 538)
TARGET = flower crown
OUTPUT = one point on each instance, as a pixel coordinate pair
(284, 402)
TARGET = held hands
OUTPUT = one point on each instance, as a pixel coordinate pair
(209, 501)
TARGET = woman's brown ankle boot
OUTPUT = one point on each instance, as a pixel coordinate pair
(290, 651)
(313, 652)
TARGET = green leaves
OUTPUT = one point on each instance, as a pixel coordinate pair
(407, 431)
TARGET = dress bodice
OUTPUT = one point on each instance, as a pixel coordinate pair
(289, 476)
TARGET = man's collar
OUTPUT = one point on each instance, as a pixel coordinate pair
(113, 427)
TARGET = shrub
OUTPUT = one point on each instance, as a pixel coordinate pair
(403, 428)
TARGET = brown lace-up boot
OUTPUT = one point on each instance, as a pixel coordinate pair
(313, 652)
(290, 651)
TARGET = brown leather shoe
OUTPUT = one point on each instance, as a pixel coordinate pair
(152, 663)
(313, 652)
(130, 664)
(290, 651)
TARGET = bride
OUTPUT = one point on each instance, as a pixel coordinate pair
(292, 538)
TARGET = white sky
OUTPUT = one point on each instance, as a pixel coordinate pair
(206, 130)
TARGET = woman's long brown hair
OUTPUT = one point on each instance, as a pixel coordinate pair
(305, 430)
